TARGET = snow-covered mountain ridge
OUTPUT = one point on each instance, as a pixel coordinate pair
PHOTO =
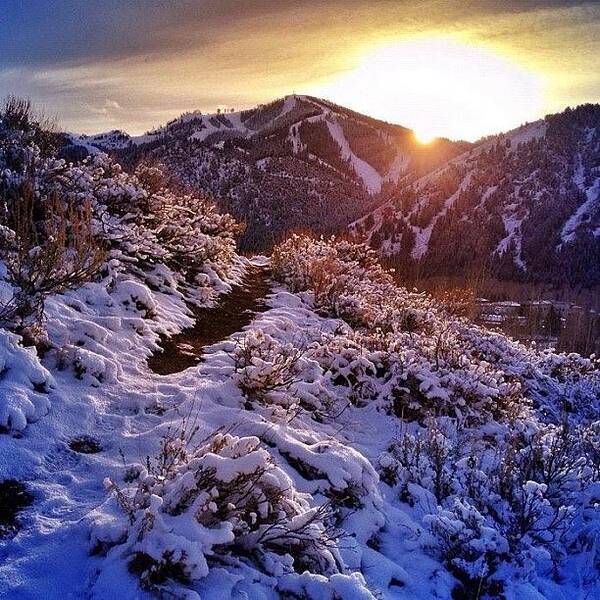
(298, 162)
(290, 112)
(525, 204)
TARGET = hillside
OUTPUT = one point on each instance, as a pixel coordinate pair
(521, 205)
(296, 163)
(346, 439)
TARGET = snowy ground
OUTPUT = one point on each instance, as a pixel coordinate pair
(355, 441)
(50, 556)
(106, 392)
(127, 413)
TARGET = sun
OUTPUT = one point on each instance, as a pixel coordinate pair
(439, 87)
(424, 136)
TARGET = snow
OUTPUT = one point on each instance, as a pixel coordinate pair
(512, 224)
(86, 141)
(49, 558)
(592, 194)
(110, 140)
(26, 384)
(210, 123)
(423, 235)
(398, 168)
(262, 163)
(528, 132)
(351, 442)
(369, 175)
(289, 103)
(210, 128)
(523, 134)
(294, 137)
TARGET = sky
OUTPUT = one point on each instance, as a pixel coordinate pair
(461, 69)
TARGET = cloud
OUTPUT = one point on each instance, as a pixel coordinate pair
(110, 108)
(42, 33)
(154, 59)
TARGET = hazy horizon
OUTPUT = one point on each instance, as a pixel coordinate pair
(37, 106)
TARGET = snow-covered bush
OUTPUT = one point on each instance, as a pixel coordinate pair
(274, 372)
(426, 361)
(347, 281)
(264, 365)
(424, 457)
(353, 362)
(25, 384)
(151, 226)
(44, 256)
(556, 385)
(135, 296)
(470, 390)
(471, 549)
(518, 497)
(91, 367)
(194, 507)
(64, 224)
(143, 224)
(498, 445)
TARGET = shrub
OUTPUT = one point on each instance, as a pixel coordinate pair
(357, 362)
(264, 365)
(457, 301)
(346, 281)
(17, 113)
(471, 549)
(272, 372)
(520, 499)
(46, 256)
(225, 497)
(429, 360)
(170, 241)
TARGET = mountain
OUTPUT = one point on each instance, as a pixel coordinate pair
(296, 163)
(520, 205)
(180, 421)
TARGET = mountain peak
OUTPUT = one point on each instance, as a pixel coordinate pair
(300, 158)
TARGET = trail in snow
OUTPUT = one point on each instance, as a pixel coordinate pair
(232, 313)
(49, 557)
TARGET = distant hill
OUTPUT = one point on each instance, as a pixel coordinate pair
(520, 205)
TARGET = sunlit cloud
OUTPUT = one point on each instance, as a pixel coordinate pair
(512, 60)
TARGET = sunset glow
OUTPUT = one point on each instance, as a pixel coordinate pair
(453, 69)
(433, 84)
(424, 136)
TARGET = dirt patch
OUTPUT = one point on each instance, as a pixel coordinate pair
(85, 444)
(232, 313)
(14, 497)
